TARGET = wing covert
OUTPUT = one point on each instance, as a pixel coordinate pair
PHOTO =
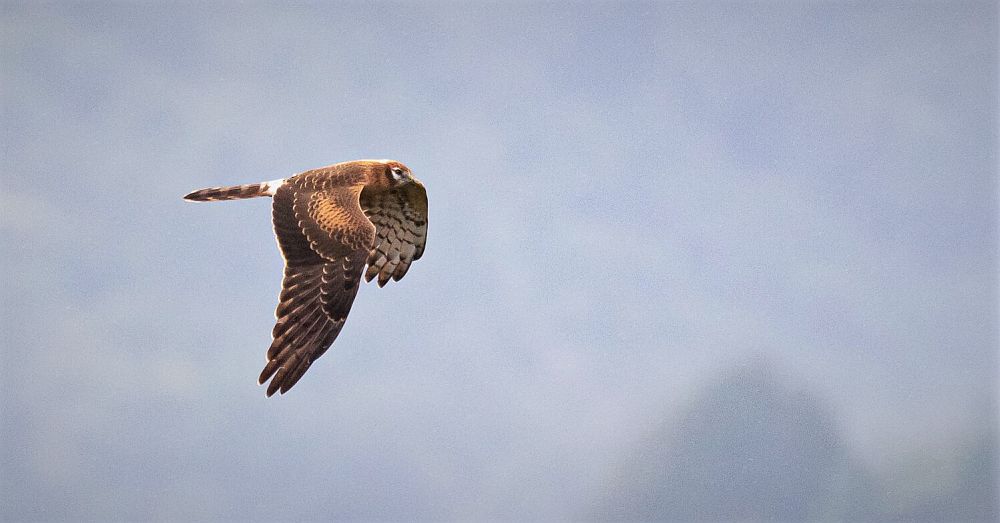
(333, 222)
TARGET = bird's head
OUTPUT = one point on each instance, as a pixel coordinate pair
(395, 173)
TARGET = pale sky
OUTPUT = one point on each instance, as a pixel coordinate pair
(666, 239)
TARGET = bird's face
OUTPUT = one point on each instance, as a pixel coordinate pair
(397, 174)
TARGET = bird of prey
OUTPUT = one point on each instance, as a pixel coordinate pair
(330, 222)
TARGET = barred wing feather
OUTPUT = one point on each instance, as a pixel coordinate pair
(400, 219)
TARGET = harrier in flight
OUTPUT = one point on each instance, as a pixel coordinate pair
(330, 222)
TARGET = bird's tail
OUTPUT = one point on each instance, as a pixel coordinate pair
(235, 192)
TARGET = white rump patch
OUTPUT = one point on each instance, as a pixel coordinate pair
(271, 187)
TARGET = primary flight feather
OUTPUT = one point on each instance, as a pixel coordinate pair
(331, 222)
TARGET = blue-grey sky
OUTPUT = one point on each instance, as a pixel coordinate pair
(652, 226)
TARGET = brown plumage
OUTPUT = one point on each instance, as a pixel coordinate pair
(331, 222)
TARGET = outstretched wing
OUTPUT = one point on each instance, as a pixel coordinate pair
(325, 239)
(400, 218)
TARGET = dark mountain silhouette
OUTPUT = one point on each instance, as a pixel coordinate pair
(750, 448)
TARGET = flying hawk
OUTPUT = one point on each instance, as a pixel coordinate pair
(330, 222)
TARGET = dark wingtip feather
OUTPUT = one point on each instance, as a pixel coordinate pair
(400, 271)
(273, 386)
(373, 270)
(268, 371)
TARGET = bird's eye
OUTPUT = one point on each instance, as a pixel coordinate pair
(397, 173)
